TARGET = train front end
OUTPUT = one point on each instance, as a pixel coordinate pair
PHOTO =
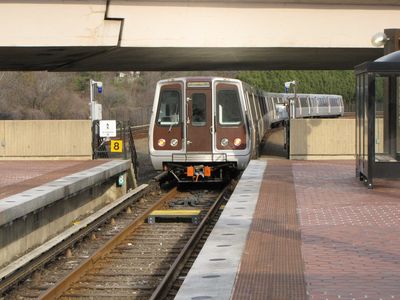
(198, 130)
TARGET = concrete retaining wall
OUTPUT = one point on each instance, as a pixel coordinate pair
(322, 139)
(45, 139)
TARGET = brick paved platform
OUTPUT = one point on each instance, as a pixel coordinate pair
(19, 176)
(350, 236)
(272, 266)
(318, 233)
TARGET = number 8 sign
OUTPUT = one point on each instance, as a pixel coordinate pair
(116, 145)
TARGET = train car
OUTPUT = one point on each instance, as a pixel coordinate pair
(204, 128)
(303, 106)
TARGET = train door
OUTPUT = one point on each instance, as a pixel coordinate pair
(199, 117)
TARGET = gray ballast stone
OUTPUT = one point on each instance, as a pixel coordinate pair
(21, 204)
(213, 274)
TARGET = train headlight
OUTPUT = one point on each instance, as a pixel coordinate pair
(237, 142)
(161, 142)
(224, 142)
(174, 142)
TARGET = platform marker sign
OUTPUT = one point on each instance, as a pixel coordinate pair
(108, 128)
(116, 146)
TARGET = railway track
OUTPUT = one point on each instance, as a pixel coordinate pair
(49, 267)
(140, 132)
(134, 263)
(175, 283)
(143, 261)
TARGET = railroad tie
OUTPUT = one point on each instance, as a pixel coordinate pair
(175, 214)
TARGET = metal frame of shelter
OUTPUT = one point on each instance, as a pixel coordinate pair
(378, 118)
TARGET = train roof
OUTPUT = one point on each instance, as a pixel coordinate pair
(304, 95)
(199, 78)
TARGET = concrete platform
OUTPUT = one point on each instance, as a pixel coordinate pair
(18, 176)
(23, 203)
(312, 231)
(58, 194)
(214, 271)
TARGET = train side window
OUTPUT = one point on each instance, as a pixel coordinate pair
(264, 105)
(199, 112)
(169, 108)
(252, 107)
(304, 102)
(228, 107)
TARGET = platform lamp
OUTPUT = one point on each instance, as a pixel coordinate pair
(95, 108)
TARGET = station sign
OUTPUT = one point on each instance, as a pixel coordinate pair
(116, 146)
(107, 128)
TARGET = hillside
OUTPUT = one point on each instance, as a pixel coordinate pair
(129, 95)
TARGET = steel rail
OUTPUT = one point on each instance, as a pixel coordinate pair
(165, 285)
(62, 286)
(9, 281)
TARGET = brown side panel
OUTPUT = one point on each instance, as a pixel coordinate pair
(167, 132)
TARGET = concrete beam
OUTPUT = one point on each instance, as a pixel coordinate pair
(48, 23)
(191, 35)
(251, 25)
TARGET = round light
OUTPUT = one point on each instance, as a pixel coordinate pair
(161, 142)
(224, 142)
(174, 142)
(379, 39)
(237, 142)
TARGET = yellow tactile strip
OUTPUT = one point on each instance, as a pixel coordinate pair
(272, 265)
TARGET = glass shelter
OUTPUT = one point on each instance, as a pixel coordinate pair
(378, 119)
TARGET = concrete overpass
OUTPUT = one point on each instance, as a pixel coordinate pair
(74, 35)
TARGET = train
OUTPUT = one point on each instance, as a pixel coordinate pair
(305, 105)
(204, 129)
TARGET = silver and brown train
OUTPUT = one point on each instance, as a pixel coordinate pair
(206, 128)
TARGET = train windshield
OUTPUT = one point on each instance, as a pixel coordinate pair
(169, 107)
(228, 105)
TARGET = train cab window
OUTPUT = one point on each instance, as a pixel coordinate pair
(228, 106)
(169, 107)
(199, 110)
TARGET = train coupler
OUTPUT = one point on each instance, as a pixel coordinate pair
(198, 172)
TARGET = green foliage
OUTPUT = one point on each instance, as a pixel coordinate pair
(43, 95)
(317, 82)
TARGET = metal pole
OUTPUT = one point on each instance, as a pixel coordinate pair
(91, 83)
(294, 101)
